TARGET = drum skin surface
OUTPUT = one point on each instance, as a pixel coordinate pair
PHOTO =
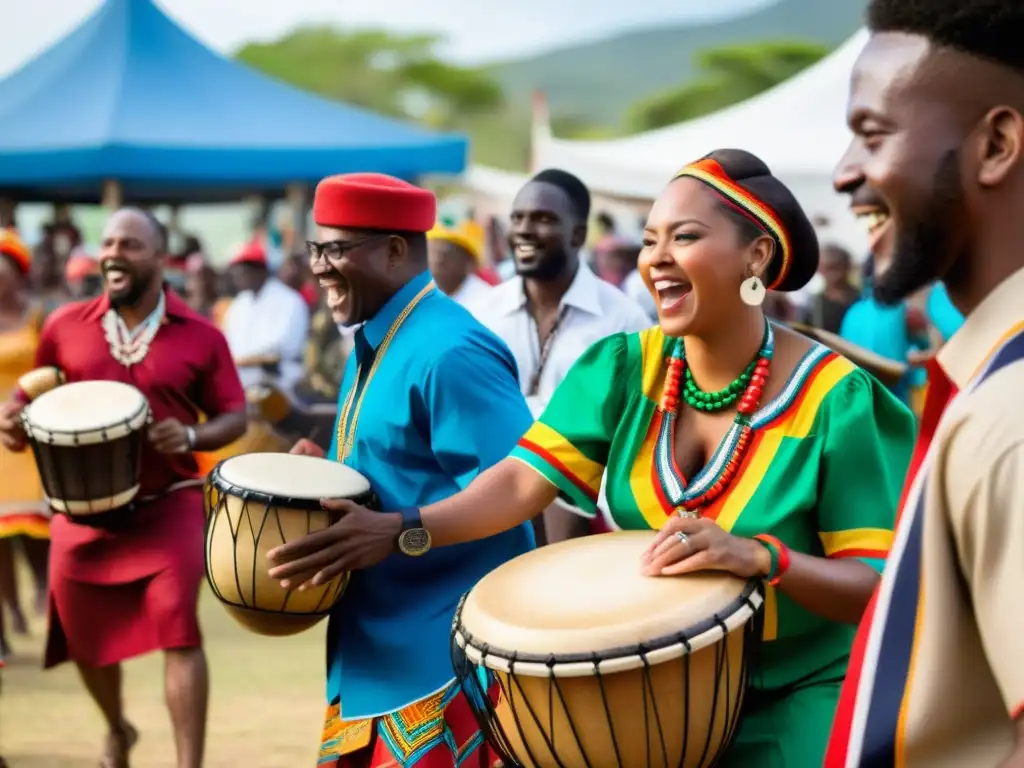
(256, 502)
(600, 666)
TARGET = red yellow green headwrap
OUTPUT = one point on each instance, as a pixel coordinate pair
(746, 185)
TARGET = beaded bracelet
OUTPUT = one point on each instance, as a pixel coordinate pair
(780, 557)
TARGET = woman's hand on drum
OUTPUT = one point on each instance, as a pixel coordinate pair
(307, 448)
(360, 539)
(688, 544)
(169, 436)
(12, 434)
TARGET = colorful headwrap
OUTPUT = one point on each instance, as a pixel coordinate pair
(373, 201)
(14, 248)
(462, 236)
(747, 186)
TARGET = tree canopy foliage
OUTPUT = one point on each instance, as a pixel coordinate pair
(402, 76)
(728, 74)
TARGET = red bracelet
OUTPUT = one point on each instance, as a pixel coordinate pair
(781, 554)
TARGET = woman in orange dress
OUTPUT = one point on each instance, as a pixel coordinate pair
(24, 517)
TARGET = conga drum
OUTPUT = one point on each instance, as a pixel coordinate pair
(598, 666)
(257, 502)
(87, 438)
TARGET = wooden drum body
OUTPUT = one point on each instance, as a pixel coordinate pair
(87, 438)
(256, 502)
(600, 667)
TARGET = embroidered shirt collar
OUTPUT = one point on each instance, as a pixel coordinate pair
(997, 318)
(583, 294)
(377, 326)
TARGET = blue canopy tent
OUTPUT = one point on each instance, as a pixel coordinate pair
(130, 96)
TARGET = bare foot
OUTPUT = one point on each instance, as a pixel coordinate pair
(119, 744)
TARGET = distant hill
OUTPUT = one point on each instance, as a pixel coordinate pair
(597, 82)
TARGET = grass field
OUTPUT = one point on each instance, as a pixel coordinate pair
(266, 702)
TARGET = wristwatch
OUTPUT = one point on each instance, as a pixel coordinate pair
(190, 436)
(414, 540)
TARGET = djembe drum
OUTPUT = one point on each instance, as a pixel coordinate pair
(597, 666)
(87, 438)
(257, 502)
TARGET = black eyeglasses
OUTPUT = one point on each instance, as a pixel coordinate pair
(333, 250)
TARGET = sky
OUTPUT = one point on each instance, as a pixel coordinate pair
(476, 30)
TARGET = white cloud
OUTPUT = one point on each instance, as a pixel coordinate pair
(476, 29)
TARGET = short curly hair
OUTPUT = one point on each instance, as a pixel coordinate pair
(988, 29)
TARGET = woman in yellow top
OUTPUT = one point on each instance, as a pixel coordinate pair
(24, 519)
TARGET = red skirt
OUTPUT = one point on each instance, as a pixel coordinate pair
(103, 624)
(117, 595)
(438, 732)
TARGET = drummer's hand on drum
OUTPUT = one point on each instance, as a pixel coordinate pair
(307, 448)
(169, 436)
(12, 434)
(688, 544)
(361, 538)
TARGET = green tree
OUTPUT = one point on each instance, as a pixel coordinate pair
(397, 75)
(729, 74)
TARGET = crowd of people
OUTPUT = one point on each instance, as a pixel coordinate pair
(601, 385)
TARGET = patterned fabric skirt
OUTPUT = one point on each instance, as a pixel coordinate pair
(437, 732)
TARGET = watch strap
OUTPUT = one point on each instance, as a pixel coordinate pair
(411, 518)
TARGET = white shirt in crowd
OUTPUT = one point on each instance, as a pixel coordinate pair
(274, 321)
(634, 287)
(594, 309)
(471, 290)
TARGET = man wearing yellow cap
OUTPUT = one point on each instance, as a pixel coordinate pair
(454, 257)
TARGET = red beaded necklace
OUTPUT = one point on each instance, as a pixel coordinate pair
(741, 433)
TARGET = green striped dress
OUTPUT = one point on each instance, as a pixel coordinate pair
(823, 474)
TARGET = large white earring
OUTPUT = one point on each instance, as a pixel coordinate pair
(752, 291)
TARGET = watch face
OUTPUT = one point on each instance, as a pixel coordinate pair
(414, 542)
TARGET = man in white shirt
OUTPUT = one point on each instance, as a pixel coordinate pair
(266, 324)
(453, 258)
(555, 307)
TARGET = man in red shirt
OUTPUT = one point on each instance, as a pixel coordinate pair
(117, 594)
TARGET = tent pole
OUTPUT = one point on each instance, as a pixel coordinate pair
(298, 207)
(7, 213)
(113, 197)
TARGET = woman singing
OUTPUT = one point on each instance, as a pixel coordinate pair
(753, 449)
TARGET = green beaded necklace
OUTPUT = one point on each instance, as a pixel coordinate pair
(713, 402)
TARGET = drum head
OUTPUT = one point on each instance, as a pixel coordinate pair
(86, 412)
(587, 596)
(284, 476)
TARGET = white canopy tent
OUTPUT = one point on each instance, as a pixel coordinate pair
(798, 128)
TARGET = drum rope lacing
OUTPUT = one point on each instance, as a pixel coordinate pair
(346, 431)
(485, 710)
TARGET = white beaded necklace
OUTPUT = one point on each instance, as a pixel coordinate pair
(129, 347)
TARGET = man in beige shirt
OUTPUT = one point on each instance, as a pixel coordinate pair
(936, 677)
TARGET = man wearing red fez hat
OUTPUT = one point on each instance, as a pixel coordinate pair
(117, 590)
(429, 400)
